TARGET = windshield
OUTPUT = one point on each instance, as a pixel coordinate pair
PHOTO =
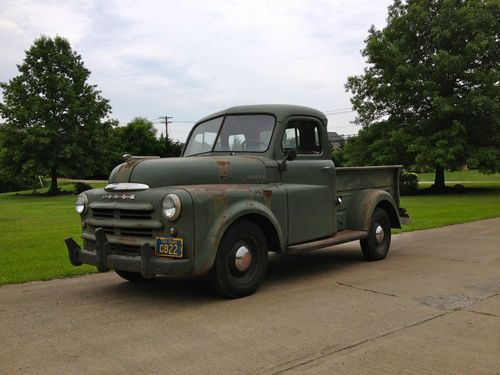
(203, 137)
(239, 133)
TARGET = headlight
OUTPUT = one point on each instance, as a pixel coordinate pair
(171, 206)
(81, 204)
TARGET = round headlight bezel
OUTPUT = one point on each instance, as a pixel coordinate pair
(171, 198)
(81, 204)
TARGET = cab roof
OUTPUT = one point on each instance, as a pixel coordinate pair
(280, 111)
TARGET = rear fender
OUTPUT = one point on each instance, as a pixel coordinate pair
(363, 204)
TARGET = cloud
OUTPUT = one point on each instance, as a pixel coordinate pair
(190, 58)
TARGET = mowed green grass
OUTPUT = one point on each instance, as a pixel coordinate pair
(432, 211)
(33, 228)
(480, 200)
(32, 233)
(462, 176)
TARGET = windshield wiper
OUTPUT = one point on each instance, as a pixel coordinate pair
(200, 153)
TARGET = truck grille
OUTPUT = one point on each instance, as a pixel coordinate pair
(127, 225)
(103, 213)
(136, 232)
(121, 214)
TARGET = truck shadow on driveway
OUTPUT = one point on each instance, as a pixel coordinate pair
(290, 268)
(282, 271)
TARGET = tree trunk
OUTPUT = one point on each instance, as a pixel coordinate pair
(53, 184)
(439, 178)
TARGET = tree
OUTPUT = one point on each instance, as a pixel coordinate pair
(138, 137)
(54, 119)
(433, 76)
(380, 143)
(170, 148)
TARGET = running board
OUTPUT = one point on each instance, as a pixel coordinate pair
(341, 237)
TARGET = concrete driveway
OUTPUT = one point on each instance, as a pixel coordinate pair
(433, 306)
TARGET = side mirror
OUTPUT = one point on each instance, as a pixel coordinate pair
(290, 155)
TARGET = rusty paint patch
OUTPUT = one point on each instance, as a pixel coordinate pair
(268, 194)
(224, 168)
(218, 203)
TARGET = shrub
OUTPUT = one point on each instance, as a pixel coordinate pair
(17, 181)
(338, 158)
(408, 183)
(80, 187)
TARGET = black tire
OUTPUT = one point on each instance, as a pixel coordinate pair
(373, 248)
(130, 276)
(238, 278)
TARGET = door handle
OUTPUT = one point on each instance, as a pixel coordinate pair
(327, 169)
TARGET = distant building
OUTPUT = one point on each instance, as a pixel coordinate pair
(335, 140)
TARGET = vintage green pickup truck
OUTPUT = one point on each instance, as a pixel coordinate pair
(251, 180)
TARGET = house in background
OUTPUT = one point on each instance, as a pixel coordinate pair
(335, 140)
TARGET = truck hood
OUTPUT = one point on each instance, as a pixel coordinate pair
(192, 171)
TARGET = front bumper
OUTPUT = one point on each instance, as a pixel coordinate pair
(147, 264)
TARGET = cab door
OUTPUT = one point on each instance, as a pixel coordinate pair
(309, 181)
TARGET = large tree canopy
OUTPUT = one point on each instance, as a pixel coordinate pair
(138, 137)
(432, 80)
(54, 120)
(378, 144)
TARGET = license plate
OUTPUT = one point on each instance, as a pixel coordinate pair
(169, 247)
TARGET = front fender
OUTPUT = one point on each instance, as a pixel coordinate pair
(229, 217)
(363, 204)
(218, 206)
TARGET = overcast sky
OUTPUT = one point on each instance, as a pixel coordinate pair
(191, 58)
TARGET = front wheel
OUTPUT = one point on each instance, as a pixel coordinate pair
(376, 245)
(241, 261)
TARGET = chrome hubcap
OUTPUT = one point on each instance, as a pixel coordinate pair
(379, 234)
(243, 259)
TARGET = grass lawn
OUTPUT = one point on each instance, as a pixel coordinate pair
(33, 228)
(468, 175)
(431, 211)
(32, 232)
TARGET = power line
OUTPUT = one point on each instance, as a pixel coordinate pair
(337, 109)
(346, 127)
(156, 121)
(339, 113)
(331, 112)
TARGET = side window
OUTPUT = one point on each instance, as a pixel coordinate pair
(289, 139)
(303, 136)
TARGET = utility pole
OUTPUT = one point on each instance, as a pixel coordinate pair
(167, 121)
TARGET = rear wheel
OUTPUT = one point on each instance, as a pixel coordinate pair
(241, 261)
(130, 276)
(376, 245)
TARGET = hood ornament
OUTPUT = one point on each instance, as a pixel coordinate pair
(129, 159)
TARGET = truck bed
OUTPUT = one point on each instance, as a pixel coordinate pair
(351, 179)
